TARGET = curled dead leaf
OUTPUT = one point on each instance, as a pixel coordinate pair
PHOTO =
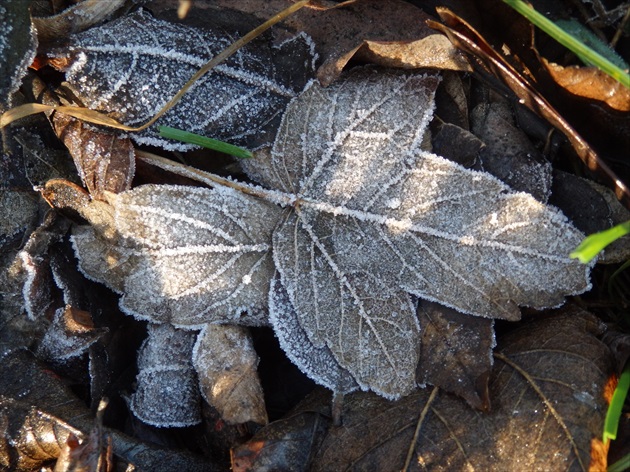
(225, 362)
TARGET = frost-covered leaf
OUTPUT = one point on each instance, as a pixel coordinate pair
(18, 43)
(132, 66)
(369, 218)
(167, 394)
(225, 362)
(318, 361)
(376, 217)
(70, 334)
(184, 255)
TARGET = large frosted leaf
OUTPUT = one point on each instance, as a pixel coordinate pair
(376, 217)
(132, 66)
(369, 218)
(183, 255)
(375, 200)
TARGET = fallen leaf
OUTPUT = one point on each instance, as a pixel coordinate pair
(132, 66)
(368, 218)
(17, 48)
(94, 454)
(546, 390)
(591, 83)
(508, 153)
(167, 394)
(70, 334)
(76, 18)
(287, 444)
(456, 353)
(104, 160)
(225, 362)
(385, 32)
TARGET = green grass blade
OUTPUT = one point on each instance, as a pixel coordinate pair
(570, 42)
(593, 244)
(192, 138)
(616, 404)
(621, 465)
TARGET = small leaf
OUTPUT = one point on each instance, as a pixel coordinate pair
(167, 394)
(104, 160)
(226, 362)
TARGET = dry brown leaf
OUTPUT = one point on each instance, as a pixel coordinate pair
(287, 444)
(104, 160)
(508, 153)
(487, 61)
(385, 32)
(226, 362)
(75, 18)
(546, 390)
(70, 334)
(456, 352)
(591, 83)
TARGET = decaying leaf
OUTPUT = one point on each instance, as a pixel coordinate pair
(288, 443)
(225, 362)
(508, 153)
(369, 217)
(132, 66)
(167, 393)
(104, 160)
(94, 454)
(74, 19)
(70, 334)
(390, 33)
(456, 353)
(590, 83)
(546, 390)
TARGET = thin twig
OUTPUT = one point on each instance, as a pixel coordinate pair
(423, 414)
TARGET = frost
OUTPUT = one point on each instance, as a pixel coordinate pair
(132, 66)
(364, 218)
(184, 255)
(167, 393)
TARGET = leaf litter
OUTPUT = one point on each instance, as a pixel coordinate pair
(240, 102)
(366, 217)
